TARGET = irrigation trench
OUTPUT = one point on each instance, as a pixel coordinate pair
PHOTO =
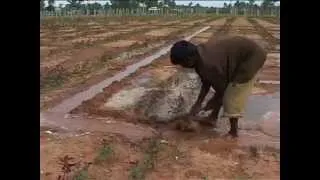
(59, 116)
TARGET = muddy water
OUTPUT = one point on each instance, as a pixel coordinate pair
(71, 103)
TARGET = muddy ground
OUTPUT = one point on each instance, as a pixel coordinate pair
(126, 131)
(75, 57)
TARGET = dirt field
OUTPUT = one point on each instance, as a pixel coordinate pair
(126, 130)
(75, 57)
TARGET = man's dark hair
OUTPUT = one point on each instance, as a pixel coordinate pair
(182, 51)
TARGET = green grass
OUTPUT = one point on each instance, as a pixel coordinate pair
(105, 153)
(205, 178)
(139, 171)
(81, 175)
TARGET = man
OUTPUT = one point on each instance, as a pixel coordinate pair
(229, 65)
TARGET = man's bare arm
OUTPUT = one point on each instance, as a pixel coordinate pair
(203, 92)
(215, 102)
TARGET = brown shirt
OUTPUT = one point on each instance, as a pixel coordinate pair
(229, 59)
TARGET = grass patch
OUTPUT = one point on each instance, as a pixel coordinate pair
(205, 178)
(139, 171)
(106, 152)
(82, 175)
(55, 78)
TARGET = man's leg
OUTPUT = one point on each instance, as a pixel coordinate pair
(233, 127)
(234, 102)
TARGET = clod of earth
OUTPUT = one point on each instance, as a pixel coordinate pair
(187, 125)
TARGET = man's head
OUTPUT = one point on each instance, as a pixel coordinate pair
(184, 53)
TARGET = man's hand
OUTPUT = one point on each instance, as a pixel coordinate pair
(196, 108)
(209, 106)
(214, 103)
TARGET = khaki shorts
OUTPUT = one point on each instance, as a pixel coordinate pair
(236, 97)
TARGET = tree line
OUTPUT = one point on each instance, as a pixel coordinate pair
(132, 4)
(77, 4)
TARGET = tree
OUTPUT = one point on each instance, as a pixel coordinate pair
(237, 4)
(160, 4)
(151, 3)
(93, 7)
(251, 5)
(74, 4)
(133, 3)
(170, 3)
(106, 6)
(242, 5)
(50, 5)
(124, 3)
(190, 4)
(251, 2)
(267, 3)
(225, 5)
(42, 5)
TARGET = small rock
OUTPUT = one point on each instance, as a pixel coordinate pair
(82, 134)
(65, 128)
(133, 161)
(107, 170)
(164, 141)
(206, 141)
(234, 163)
(66, 116)
(48, 132)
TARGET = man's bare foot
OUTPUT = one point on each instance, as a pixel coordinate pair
(231, 136)
(207, 123)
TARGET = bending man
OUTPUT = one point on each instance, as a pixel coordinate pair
(229, 65)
